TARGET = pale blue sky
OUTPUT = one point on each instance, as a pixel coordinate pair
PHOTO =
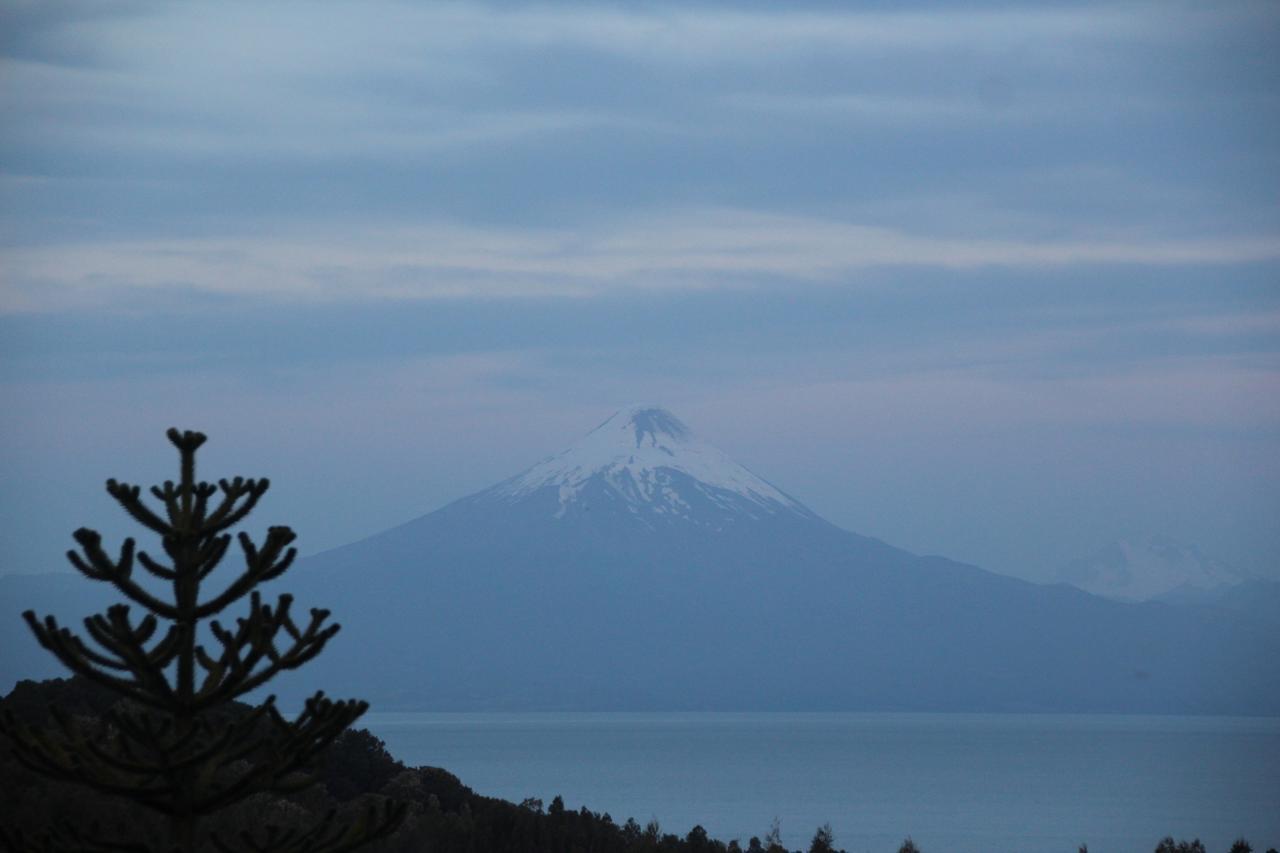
(997, 281)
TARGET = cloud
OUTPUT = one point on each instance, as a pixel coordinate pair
(334, 78)
(310, 32)
(989, 103)
(692, 249)
(206, 117)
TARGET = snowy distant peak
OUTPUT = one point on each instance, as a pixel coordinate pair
(1144, 569)
(653, 426)
(647, 458)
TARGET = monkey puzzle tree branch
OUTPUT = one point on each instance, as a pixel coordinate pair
(66, 647)
(233, 673)
(228, 515)
(96, 565)
(260, 566)
(115, 634)
(163, 572)
(128, 497)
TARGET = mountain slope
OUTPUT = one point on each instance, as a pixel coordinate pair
(642, 569)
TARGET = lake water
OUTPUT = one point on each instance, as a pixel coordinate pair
(954, 782)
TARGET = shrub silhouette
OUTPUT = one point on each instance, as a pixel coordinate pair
(1168, 845)
(182, 746)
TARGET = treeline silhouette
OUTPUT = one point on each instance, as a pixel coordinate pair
(444, 815)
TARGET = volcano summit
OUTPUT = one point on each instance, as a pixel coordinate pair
(646, 463)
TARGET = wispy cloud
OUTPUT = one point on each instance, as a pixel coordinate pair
(375, 111)
(379, 78)
(688, 249)
(1224, 395)
(698, 34)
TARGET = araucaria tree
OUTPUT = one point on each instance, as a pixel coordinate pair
(182, 746)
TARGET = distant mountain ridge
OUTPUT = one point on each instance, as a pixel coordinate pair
(1155, 568)
(642, 569)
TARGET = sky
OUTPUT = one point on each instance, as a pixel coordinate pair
(997, 281)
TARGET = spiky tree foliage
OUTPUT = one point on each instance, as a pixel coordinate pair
(177, 747)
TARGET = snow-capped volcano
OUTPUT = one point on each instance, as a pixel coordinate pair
(645, 461)
(642, 569)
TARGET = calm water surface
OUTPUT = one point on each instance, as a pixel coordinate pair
(954, 782)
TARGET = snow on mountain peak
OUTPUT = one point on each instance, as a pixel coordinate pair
(1144, 569)
(649, 458)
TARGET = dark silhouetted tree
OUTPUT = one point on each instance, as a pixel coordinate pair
(697, 839)
(773, 838)
(1168, 845)
(908, 846)
(556, 809)
(824, 840)
(181, 745)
